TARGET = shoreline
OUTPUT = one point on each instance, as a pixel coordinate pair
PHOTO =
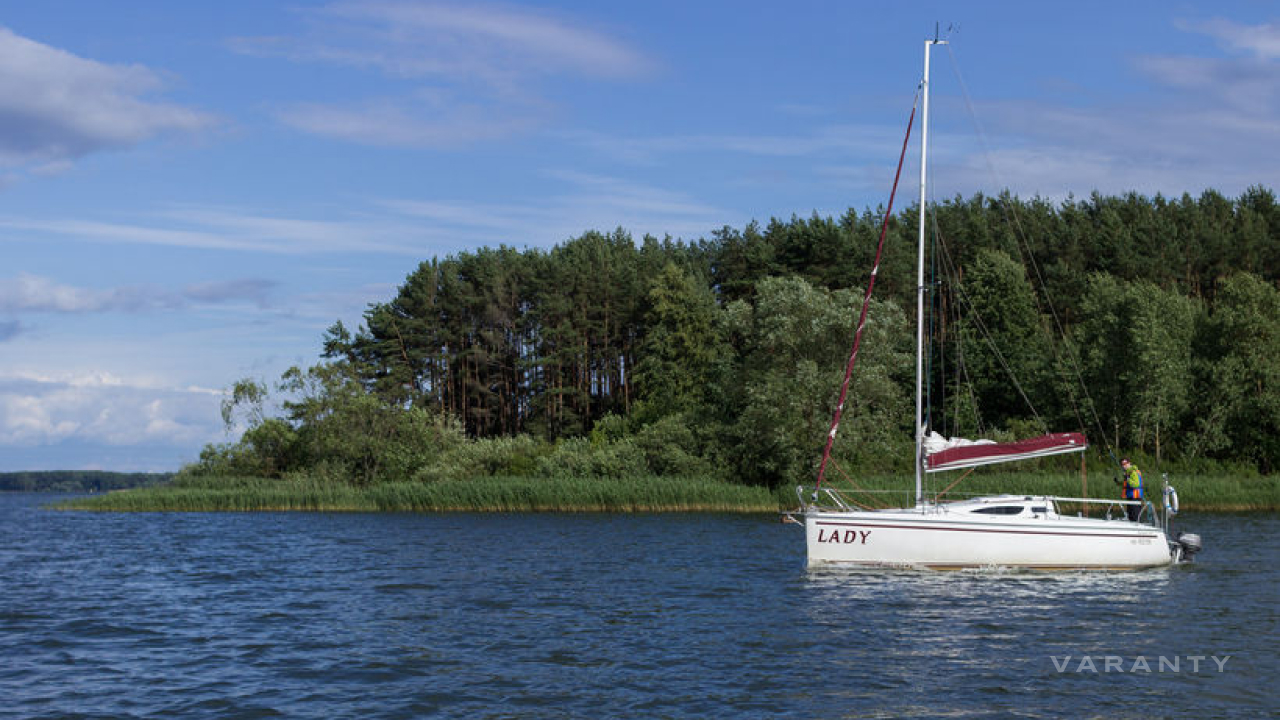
(477, 495)
(581, 495)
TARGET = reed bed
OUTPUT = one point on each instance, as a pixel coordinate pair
(489, 494)
(641, 494)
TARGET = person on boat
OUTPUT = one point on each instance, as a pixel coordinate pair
(1132, 487)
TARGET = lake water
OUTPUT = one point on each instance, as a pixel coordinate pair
(600, 616)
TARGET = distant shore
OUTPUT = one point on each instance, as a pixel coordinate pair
(78, 480)
(642, 494)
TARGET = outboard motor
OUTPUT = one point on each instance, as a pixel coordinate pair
(1189, 543)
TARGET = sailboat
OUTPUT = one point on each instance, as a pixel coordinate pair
(1015, 531)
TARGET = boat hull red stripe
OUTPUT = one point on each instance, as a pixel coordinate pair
(985, 530)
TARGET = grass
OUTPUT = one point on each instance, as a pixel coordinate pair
(640, 494)
(644, 494)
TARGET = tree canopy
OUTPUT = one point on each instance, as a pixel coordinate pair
(1153, 323)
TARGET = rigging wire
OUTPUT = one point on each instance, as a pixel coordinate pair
(950, 264)
(866, 303)
(1024, 250)
(867, 503)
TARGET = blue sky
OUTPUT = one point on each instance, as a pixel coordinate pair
(191, 192)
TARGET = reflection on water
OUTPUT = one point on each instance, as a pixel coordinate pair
(837, 584)
(1045, 633)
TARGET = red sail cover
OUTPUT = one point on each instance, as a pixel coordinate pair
(990, 453)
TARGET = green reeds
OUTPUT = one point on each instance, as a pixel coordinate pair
(642, 494)
(488, 494)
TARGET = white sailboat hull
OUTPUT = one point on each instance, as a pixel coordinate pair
(943, 537)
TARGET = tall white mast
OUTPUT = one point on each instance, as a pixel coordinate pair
(920, 287)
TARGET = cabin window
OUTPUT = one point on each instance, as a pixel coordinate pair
(1000, 510)
(1039, 509)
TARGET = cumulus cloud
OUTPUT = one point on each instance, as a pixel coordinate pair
(100, 408)
(56, 106)
(32, 293)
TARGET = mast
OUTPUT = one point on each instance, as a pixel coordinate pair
(920, 287)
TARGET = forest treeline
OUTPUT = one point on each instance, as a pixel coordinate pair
(1150, 324)
(77, 481)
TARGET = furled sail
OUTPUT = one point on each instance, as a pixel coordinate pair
(951, 453)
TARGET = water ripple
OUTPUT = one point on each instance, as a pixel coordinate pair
(587, 616)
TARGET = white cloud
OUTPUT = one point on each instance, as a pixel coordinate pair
(406, 122)
(251, 230)
(467, 72)
(31, 293)
(1200, 122)
(1053, 151)
(35, 294)
(585, 201)
(252, 289)
(227, 229)
(572, 203)
(103, 409)
(1261, 41)
(826, 141)
(490, 40)
(473, 42)
(56, 107)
